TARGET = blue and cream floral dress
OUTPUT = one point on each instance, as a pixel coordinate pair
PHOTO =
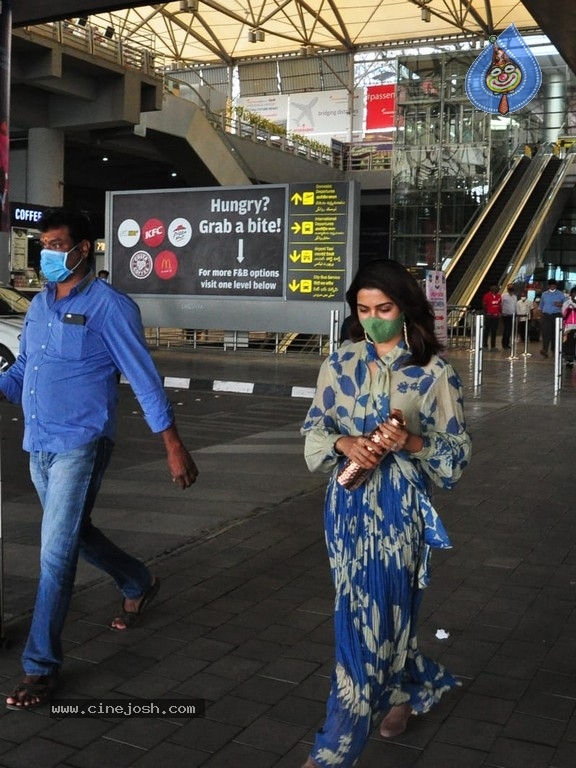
(379, 536)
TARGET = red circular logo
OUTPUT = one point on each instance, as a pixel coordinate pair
(153, 232)
(166, 265)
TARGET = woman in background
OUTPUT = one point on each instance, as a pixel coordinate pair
(379, 536)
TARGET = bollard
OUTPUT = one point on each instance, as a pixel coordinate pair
(478, 350)
(557, 355)
(526, 335)
(334, 329)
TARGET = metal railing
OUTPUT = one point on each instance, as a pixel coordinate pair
(460, 321)
(98, 41)
(232, 341)
(235, 125)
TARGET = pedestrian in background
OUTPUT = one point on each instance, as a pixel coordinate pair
(509, 303)
(569, 329)
(77, 334)
(524, 313)
(379, 536)
(492, 304)
(551, 307)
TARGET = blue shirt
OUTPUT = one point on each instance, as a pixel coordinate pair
(547, 301)
(66, 373)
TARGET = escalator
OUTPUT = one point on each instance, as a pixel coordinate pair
(516, 212)
(507, 250)
(467, 250)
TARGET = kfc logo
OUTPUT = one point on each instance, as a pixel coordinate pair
(153, 233)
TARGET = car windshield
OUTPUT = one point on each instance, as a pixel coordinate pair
(12, 302)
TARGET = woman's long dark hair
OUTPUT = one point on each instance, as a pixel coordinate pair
(393, 279)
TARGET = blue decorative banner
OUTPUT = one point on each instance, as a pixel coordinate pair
(506, 75)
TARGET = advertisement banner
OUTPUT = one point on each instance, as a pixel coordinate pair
(436, 295)
(273, 108)
(380, 107)
(213, 242)
(323, 115)
(288, 242)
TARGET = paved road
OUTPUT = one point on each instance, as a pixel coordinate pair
(244, 616)
(136, 506)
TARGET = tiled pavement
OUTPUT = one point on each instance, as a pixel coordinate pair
(244, 615)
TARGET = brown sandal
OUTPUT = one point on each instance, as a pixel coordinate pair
(131, 618)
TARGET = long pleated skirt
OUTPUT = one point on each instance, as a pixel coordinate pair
(378, 556)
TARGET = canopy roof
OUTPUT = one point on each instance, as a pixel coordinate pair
(210, 32)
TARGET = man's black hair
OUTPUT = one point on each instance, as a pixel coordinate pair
(78, 223)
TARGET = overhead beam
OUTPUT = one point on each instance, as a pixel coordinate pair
(26, 12)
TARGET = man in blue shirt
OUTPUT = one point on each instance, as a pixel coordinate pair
(551, 307)
(78, 333)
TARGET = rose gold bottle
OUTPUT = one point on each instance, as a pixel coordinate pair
(352, 475)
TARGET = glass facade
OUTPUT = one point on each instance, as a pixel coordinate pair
(448, 155)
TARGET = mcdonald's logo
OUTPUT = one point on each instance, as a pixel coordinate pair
(166, 265)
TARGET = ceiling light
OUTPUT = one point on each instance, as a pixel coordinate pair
(189, 5)
(104, 159)
(260, 36)
(252, 36)
(425, 14)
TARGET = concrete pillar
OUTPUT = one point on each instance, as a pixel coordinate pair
(555, 107)
(45, 167)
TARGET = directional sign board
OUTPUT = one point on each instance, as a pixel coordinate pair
(273, 257)
(318, 238)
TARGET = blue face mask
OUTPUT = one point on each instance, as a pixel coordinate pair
(53, 264)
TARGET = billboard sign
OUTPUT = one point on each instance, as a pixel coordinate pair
(380, 107)
(268, 249)
(216, 242)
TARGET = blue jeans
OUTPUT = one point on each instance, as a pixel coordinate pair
(67, 484)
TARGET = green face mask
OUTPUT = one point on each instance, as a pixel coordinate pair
(380, 331)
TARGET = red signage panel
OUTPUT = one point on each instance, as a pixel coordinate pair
(380, 107)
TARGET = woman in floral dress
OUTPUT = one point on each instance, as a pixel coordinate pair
(379, 536)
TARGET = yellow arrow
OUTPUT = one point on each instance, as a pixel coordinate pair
(296, 227)
(294, 256)
(294, 285)
(296, 198)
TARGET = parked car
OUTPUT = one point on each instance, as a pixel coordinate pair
(13, 307)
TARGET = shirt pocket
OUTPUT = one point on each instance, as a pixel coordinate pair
(68, 341)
